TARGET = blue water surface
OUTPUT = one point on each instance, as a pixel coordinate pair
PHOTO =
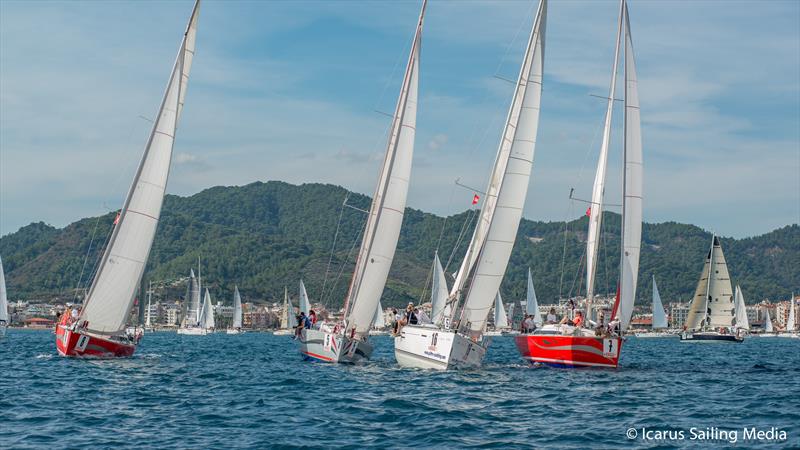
(254, 391)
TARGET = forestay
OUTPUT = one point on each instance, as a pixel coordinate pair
(388, 202)
(111, 295)
(496, 230)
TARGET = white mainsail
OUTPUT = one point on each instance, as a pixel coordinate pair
(237, 308)
(388, 203)
(305, 305)
(500, 317)
(531, 305)
(659, 315)
(291, 319)
(3, 295)
(207, 318)
(598, 189)
(632, 190)
(105, 310)
(713, 304)
(378, 321)
(768, 323)
(742, 321)
(493, 239)
(439, 306)
(790, 322)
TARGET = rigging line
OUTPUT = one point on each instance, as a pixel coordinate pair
(333, 248)
(522, 24)
(428, 279)
(567, 213)
(605, 259)
(356, 239)
(471, 214)
(86, 258)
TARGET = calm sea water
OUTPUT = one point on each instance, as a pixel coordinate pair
(253, 391)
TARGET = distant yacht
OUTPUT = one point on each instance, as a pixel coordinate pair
(192, 312)
(288, 318)
(712, 311)
(3, 302)
(791, 324)
(236, 325)
(378, 323)
(659, 317)
(742, 323)
(501, 325)
(100, 328)
(207, 323)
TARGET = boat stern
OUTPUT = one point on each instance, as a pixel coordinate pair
(569, 351)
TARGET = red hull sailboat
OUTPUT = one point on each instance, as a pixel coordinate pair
(599, 345)
(100, 327)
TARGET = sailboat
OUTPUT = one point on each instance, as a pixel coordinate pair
(501, 324)
(207, 314)
(288, 318)
(348, 340)
(742, 323)
(304, 303)
(659, 317)
(712, 311)
(531, 305)
(378, 323)
(460, 343)
(100, 327)
(192, 313)
(791, 325)
(236, 324)
(3, 302)
(769, 329)
(569, 346)
(148, 322)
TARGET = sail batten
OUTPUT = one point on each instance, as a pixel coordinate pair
(382, 230)
(112, 293)
(493, 239)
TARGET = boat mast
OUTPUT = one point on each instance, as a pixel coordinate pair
(598, 190)
(708, 281)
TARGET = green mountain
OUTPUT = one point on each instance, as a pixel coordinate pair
(265, 236)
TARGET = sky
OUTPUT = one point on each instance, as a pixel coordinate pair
(298, 91)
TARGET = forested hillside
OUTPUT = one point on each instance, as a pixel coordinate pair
(265, 236)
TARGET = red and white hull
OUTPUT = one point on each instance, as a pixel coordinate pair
(569, 350)
(319, 345)
(75, 343)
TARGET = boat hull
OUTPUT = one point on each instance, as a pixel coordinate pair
(428, 347)
(81, 344)
(193, 331)
(233, 331)
(283, 332)
(710, 337)
(654, 334)
(318, 345)
(570, 351)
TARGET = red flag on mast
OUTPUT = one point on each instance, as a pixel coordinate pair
(475, 199)
(589, 211)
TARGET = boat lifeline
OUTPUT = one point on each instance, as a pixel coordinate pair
(348, 340)
(576, 346)
(712, 312)
(99, 329)
(460, 344)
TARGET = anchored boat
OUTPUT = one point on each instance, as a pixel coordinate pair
(348, 341)
(456, 344)
(570, 346)
(100, 329)
(712, 312)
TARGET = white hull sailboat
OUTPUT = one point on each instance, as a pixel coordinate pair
(450, 345)
(236, 324)
(3, 302)
(659, 318)
(712, 311)
(100, 329)
(288, 318)
(190, 326)
(791, 322)
(348, 341)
